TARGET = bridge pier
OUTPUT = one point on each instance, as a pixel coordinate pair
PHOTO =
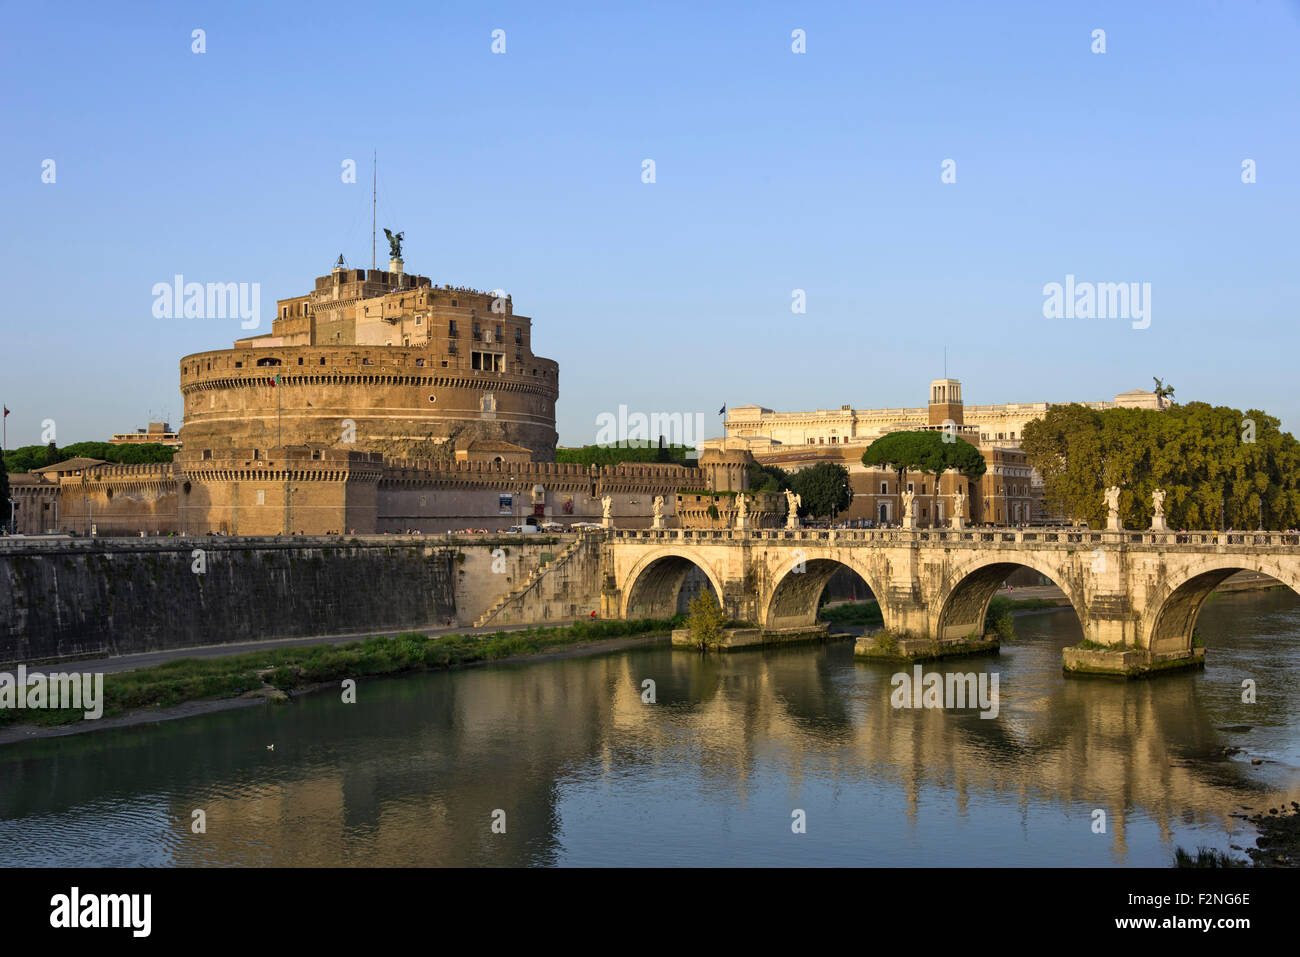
(1127, 662)
(886, 646)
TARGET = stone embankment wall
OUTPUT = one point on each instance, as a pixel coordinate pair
(74, 598)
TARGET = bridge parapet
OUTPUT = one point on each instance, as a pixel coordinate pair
(1194, 541)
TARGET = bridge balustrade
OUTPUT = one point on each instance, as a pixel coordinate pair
(1093, 537)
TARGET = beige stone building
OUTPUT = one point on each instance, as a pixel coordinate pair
(762, 428)
(1009, 493)
(158, 432)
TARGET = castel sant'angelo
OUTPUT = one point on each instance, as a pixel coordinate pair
(380, 360)
(379, 402)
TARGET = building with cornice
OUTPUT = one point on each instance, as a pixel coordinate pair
(1010, 493)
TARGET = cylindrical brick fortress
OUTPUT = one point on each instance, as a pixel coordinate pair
(375, 361)
(398, 401)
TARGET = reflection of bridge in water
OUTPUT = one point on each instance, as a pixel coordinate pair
(413, 773)
(1136, 591)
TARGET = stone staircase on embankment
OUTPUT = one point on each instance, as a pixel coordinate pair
(513, 607)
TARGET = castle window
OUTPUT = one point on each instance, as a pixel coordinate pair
(434, 398)
(207, 453)
(419, 362)
(451, 328)
(453, 302)
(239, 365)
(519, 336)
(884, 488)
(322, 360)
(419, 320)
(300, 360)
(367, 361)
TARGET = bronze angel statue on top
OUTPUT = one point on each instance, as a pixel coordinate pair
(394, 244)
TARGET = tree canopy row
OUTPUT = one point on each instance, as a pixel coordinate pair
(28, 457)
(1219, 467)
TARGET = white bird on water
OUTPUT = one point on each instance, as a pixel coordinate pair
(270, 747)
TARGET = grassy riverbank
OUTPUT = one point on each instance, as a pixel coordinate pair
(285, 669)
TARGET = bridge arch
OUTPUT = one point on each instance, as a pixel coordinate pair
(1173, 609)
(654, 583)
(963, 607)
(798, 583)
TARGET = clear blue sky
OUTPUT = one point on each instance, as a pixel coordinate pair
(775, 171)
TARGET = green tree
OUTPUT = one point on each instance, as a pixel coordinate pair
(705, 620)
(824, 489)
(24, 458)
(1217, 465)
(29, 457)
(587, 455)
(768, 478)
(925, 451)
(52, 455)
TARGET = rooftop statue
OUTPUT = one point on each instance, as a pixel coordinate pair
(394, 244)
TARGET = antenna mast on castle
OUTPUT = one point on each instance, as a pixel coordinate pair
(374, 198)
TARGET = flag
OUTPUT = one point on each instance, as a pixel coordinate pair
(275, 381)
(6, 415)
(722, 411)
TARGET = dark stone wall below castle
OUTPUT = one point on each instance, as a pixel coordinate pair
(72, 599)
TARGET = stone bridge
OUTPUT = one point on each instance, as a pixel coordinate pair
(1136, 592)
